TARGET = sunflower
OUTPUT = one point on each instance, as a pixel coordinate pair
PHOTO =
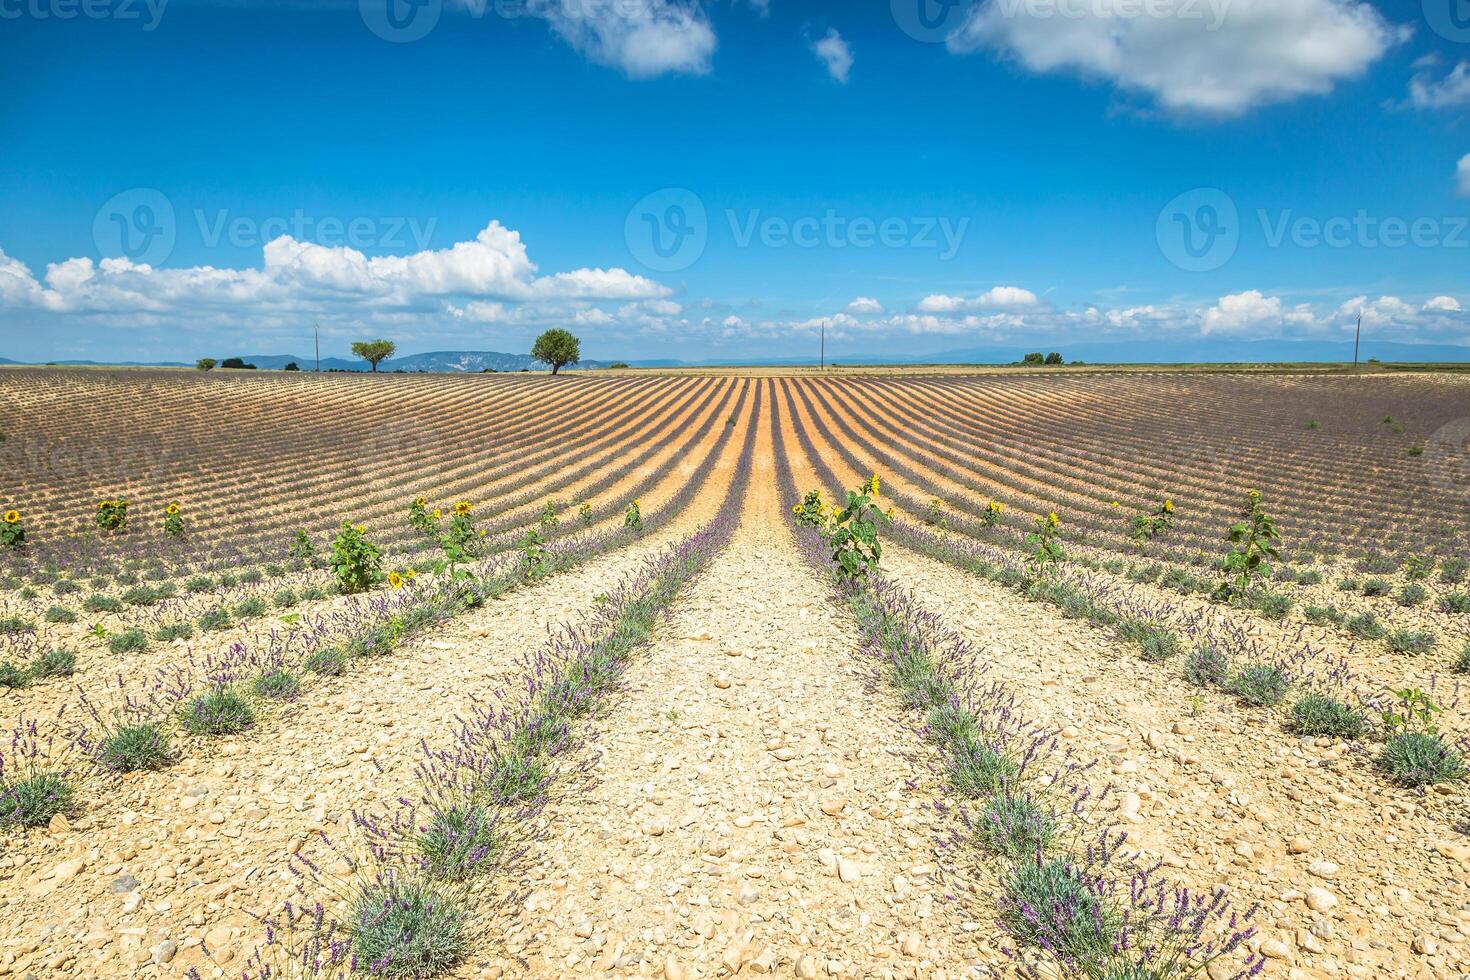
(462, 509)
(873, 484)
(410, 574)
(171, 510)
(12, 516)
(1053, 519)
(1253, 494)
(362, 529)
(419, 501)
(888, 512)
(996, 507)
(438, 513)
(395, 580)
(796, 509)
(1168, 506)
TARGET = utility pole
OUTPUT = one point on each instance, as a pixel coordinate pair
(316, 328)
(822, 358)
(1357, 338)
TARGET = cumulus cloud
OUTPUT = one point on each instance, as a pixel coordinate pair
(835, 53)
(865, 304)
(1217, 58)
(995, 297)
(1446, 304)
(1251, 312)
(643, 38)
(295, 276)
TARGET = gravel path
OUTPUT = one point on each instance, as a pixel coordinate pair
(751, 807)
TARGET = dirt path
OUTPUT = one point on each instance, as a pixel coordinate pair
(750, 807)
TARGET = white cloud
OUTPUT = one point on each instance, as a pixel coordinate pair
(835, 53)
(644, 38)
(1447, 304)
(305, 278)
(1216, 57)
(1462, 176)
(865, 304)
(995, 297)
(1451, 91)
(1251, 312)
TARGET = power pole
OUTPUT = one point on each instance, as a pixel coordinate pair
(822, 358)
(316, 328)
(1357, 338)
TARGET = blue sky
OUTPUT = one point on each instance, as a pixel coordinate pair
(193, 178)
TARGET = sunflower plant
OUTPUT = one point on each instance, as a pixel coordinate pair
(173, 520)
(533, 550)
(459, 539)
(12, 531)
(852, 532)
(992, 513)
(420, 519)
(584, 513)
(1046, 551)
(1146, 527)
(112, 515)
(1254, 539)
(356, 562)
(301, 546)
(633, 517)
(548, 518)
(934, 515)
(810, 511)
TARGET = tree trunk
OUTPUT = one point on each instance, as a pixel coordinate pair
(555, 368)
(375, 366)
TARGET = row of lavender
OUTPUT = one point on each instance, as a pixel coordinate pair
(132, 728)
(163, 559)
(1066, 893)
(1363, 626)
(164, 615)
(1192, 570)
(358, 462)
(424, 874)
(1329, 700)
(1117, 443)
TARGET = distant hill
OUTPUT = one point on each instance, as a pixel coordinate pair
(432, 362)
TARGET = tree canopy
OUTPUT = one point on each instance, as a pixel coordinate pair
(205, 363)
(374, 351)
(558, 348)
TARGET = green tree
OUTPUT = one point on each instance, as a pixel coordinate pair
(205, 363)
(1054, 358)
(558, 348)
(292, 366)
(374, 351)
(1033, 358)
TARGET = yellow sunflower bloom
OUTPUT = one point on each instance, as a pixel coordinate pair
(395, 580)
(419, 501)
(171, 509)
(462, 508)
(362, 529)
(438, 513)
(12, 517)
(1168, 506)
